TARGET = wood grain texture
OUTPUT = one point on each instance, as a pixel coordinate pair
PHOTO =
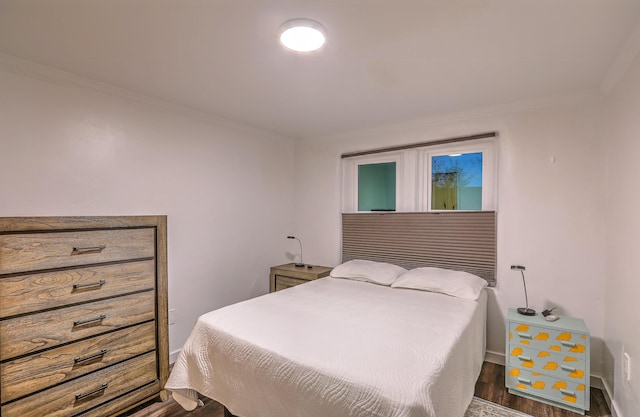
(289, 275)
(45, 223)
(490, 386)
(127, 283)
(162, 303)
(40, 251)
(24, 294)
(61, 401)
(52, 328)
(24, 376)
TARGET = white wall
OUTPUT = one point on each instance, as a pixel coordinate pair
(550, 204)
(227, 191)
(623, 241)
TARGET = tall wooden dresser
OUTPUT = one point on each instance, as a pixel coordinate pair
(83, 314)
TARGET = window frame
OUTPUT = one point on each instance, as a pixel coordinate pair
(350, 188)
(489, 174)
(413, 173)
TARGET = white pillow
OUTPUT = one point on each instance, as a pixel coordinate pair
(360, 270)
(456, 283)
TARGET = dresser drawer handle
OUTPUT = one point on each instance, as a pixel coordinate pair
(566, 392)
(568, 344)
(94, 392)
(568, 368)
(524, 358)
(525, 335)
(77, 250)
(91, 357)
(524, 381)
(87, 321)
(91, 284)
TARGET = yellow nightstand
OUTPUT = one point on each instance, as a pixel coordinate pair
(289, 275)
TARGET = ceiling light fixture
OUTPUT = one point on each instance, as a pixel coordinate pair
(302, 35)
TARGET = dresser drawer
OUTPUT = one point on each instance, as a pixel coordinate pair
(28, 334)
(570, 393)
(88, 391)
(547, 339)
(34, 292)
(24, 376)
(38, 251)
(567, 367)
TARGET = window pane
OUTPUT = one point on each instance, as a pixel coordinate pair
(456, 182)
(377, 187)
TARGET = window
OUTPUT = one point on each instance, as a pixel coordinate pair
(373, 183)
(450, 175)
(456, 181)
(459, 177)
(377, 187)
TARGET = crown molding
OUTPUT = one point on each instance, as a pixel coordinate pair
(49, 74)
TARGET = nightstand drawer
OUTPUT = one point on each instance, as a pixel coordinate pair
(86, 392)
(572, 394)
(542, 361)
(28, 334)
(289, 275)
(542, 338)
(39, 251)
(287, 282)
(35, 292)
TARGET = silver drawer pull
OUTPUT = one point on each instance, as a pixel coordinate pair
(525, 335)
(92, 284)
(567, 392)
(94, 356)
(77, 250)
(87, 321)
(568, 344)
(524, 381)
(524, 358)
(94, 392)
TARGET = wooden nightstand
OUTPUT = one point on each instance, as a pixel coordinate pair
(289, 275)
(548, 361)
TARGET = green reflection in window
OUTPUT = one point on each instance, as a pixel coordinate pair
(377, 187)
(456, 182)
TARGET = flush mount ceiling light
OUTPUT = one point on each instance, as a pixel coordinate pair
(302, 35)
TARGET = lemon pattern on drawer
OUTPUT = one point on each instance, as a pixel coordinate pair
(546, 339)
(546, 387)
(547, 362)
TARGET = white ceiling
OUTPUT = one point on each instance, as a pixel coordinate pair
(385, 61)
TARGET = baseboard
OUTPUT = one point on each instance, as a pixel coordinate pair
(494, 357)
(173, 356)
(608, 397)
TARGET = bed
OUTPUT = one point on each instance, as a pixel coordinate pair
(372, 340)
(336, 347)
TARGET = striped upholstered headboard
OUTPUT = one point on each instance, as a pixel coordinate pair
(459, 240)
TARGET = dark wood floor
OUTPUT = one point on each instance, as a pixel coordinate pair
(490, 386)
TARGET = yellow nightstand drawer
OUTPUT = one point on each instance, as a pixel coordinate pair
(567, 367)
(543, 338)
(569, 393)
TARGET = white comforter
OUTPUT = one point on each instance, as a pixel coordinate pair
(334, 348)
